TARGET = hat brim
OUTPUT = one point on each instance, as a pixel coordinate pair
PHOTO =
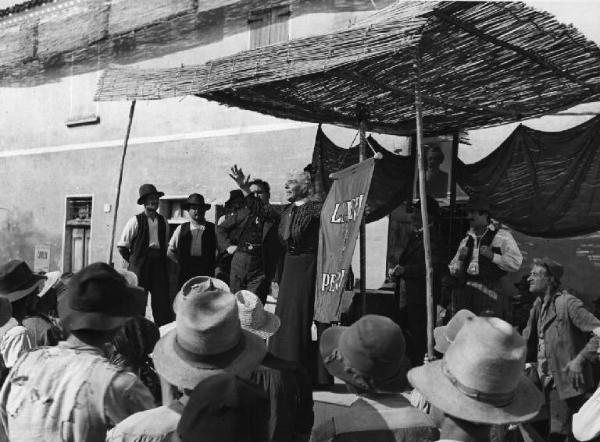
(440, 392)
(329, 343)
(269, 328)
(186, 206)
(186, 374)
(140, 200)
(34, 283)
(51, 279)
(439, 337)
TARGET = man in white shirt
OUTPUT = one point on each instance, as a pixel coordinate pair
(193, 244)
(484, 256)
(143, 245)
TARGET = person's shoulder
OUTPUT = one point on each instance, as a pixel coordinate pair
(152, 425)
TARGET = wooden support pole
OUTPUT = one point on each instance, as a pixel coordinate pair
(424, 214)
(362, 154)
(453, 160)
(125, 143)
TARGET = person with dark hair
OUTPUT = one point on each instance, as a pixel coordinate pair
(250, 235)
(484, 256)
(436, 179)
(143, 245)
(410, 279)
(193, 245)
(558, 336)
(71, 391)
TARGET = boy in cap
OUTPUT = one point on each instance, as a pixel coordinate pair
(558, 336)
(484, 256)
(369, 356)
(479, 382)
(207, 340)
(71, 391)
(143, 245)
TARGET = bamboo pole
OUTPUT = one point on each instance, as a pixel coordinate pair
(454, 158)
(424, 214)
(362, 152)
(125, 143)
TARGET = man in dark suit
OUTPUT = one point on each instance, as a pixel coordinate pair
(410, 279)
(562, 338)
(193, 244)
(143, 245)
(250, 235)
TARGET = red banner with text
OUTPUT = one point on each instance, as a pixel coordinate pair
(342, 213)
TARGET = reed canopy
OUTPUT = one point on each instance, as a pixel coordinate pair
(478, 64)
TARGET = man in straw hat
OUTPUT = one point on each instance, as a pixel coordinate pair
(207, 340)
(193, 245)
(558, 336)
(143, 245)
(484, 256)
(23, 289)
(286, 382)
(369, 356)
(71, 391)
(479, 382)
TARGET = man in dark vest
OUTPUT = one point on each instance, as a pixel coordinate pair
(143, 245)
(193, 244)
(484, 256)
(250, 235)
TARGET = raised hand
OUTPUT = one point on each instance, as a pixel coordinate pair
(237, 175)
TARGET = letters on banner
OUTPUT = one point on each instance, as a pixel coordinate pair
(340, 224)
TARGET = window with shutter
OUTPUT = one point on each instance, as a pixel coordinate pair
(269, 26)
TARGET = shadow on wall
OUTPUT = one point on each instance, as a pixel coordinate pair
(19, 235)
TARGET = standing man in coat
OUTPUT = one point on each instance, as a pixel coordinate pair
(558, 336)
(250, 235)
(193, 244)
(143, 245)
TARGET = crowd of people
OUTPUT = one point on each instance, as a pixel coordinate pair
(81, 362)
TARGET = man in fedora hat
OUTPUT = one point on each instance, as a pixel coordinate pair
(228, 238)
(207, 340)
(558, 336)
(143, 245)
(193, 244)
(484, 256)
(250, 235)
(369, 356)
(72, 391)
(286, 382)
(23, 289)
(480, 381)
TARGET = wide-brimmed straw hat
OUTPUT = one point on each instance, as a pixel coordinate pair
(147, 190)
(208, 338)
(373, 347)
(17, 280)
(481, 377)
(51, 279)
(445, 335)
(99, 298)
(195, 199)
(254, 317)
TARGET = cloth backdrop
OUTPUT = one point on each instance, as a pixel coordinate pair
(392, 180)
(340, 223)
(544, 184)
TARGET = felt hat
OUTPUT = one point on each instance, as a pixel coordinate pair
(147, 190)
(481, 377)
(554, 268)
(480, 203)
(373, 346)
(234, 196)
(445, 335)
(51, 280)
(225, 408)
(208, 338)
(195, 199)
(254, 317)
(5, 310)
(99, 298)
(17, 280)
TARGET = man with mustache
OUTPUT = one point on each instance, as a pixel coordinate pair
(484, 256)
